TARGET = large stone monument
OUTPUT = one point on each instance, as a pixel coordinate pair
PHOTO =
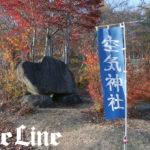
(50, 76)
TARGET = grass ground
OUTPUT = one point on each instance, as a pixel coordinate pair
(81, 129)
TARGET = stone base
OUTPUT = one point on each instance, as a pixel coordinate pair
(41, 101)
(67, 99)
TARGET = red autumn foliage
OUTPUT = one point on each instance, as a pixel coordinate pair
(138, 81)
(93, 73)
(138, 78)
(59, 14)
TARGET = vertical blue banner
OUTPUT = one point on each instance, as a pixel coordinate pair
(110, 45)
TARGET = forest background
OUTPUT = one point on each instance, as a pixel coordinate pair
(31, 29)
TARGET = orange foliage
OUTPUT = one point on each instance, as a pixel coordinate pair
(14, 45)
(12, 88)
(138, 80)
(93, 74)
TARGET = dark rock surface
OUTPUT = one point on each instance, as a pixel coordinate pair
(41, 101)
(142, 107)
(47, 77)
(70, 99)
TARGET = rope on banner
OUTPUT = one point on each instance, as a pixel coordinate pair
(130, 22)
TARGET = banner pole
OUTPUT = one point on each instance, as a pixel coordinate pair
(129, 22)
(122, 25)
(126, 106)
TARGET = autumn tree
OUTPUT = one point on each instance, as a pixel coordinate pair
(67, 16)
(28, 14)
(81, 16)
(143, 33)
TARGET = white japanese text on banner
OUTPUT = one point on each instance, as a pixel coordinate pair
(111, 58)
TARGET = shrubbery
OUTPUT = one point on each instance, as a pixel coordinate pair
(138, 79)
(11, 88)
(92, 73)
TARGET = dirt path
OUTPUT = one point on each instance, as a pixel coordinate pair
(79, 133)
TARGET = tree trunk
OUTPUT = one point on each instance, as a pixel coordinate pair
(22, 57)
(33, 44)
(48, 44)
(66, 52)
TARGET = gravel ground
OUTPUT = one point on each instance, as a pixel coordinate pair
(79, 133)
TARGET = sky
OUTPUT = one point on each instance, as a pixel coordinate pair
(132, 3)
(136, 2)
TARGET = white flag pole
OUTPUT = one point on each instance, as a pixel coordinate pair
(125, 70)
(126, 106)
